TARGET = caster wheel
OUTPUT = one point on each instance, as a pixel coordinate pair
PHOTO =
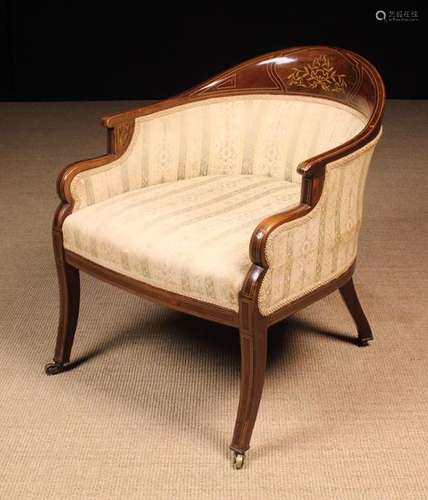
(363, 342)
(238, 460)
(54, 368)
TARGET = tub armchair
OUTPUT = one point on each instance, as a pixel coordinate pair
(239, 201)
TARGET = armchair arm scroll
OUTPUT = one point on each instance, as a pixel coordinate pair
(139, 155)
(316, 241)
(118, 139)
(67, 174)
(313, 172)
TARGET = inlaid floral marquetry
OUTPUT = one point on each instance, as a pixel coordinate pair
(318, 74)
(239, 201)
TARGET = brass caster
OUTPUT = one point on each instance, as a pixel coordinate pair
(363, 342)
(238, 460)
(54, 368)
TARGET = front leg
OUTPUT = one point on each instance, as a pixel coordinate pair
(69, 292)
(253, 341)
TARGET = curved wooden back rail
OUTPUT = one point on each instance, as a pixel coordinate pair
(314, 71)
(320, 72)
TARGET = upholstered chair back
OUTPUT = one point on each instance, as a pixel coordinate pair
(266, 135)
(265, 117)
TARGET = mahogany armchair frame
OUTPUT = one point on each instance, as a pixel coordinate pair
(262, 75)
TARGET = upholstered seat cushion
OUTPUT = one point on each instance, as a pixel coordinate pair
(189, 236)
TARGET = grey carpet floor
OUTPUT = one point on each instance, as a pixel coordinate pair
(149, 409)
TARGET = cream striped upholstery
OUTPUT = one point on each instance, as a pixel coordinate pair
(305, 253)
(190, 236)
(264, 135)
(178, 209)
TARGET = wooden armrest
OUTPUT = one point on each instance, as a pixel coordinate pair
(315, 166)
(118, 139)
(115, 119)
(264, 229)
(313, 172)
(65, 179)
(68, 173)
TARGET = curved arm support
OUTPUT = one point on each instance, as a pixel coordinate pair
(313, 172)
(119, 137)
(316, 242)
(68, 173)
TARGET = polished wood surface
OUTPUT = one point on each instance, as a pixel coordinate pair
(322, 72)
(69, 303)
(173, 300)
(270, 74)
(350, 297)
(253, 340)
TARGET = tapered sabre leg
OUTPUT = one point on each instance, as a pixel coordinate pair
(352, 302)
(69, 292)
(253, 341)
